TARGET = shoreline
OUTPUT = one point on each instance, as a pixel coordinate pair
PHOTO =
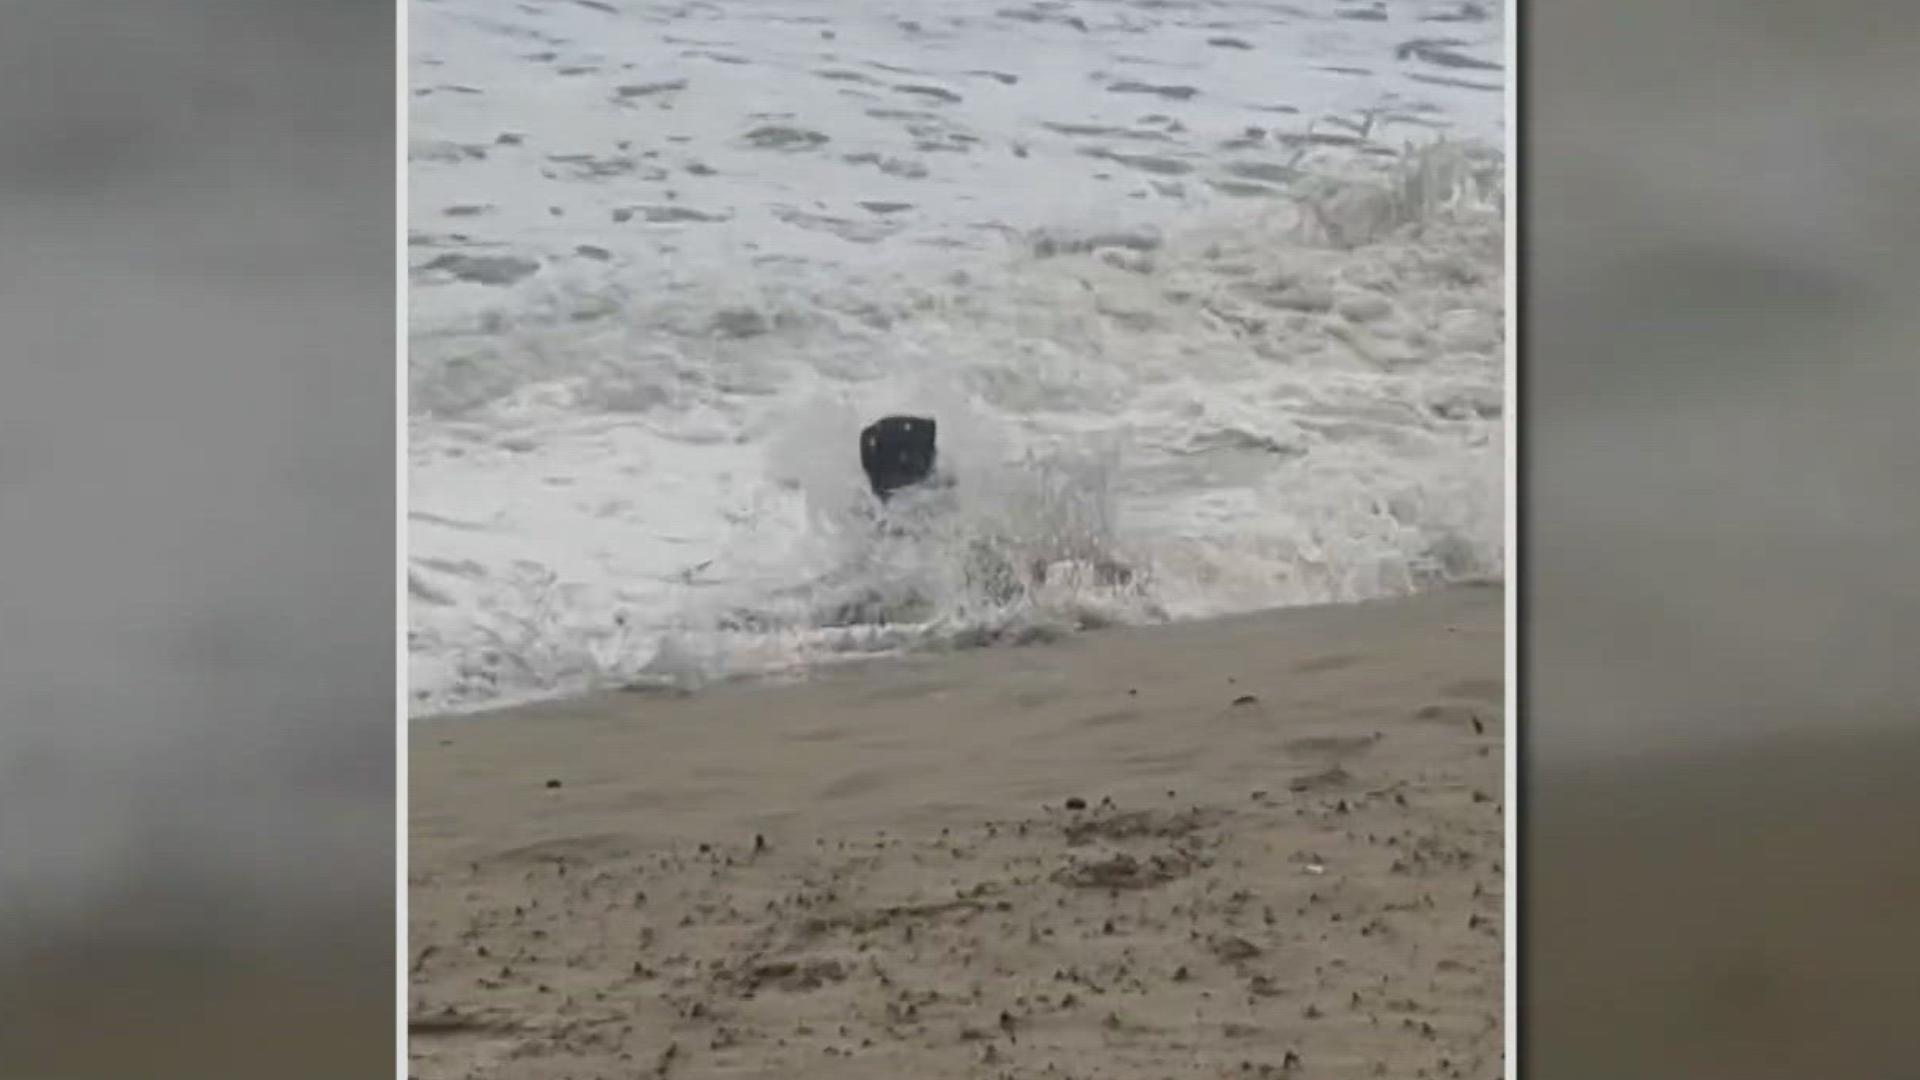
(1273, 838)
(634, 689)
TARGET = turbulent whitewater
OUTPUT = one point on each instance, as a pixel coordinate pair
(1207, 299)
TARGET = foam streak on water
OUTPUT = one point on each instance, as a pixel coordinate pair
(1208, 319)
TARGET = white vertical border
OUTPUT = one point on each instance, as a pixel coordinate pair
(1511, 895)
(400, 97)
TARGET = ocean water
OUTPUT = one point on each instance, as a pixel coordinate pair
(1207, 299)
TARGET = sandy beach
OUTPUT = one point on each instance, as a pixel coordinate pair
(1266, 845)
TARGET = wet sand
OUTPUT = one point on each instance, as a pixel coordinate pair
(1268, 845)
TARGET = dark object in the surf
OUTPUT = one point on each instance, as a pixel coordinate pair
(897, 452)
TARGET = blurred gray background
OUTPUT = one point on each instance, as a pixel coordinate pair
(1721, 694)
(197, 628)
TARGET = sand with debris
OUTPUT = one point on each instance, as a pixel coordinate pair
(1268, 845)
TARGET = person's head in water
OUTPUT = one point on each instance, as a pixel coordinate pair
(897, 452)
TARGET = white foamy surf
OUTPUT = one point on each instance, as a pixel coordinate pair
(1209, 321)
